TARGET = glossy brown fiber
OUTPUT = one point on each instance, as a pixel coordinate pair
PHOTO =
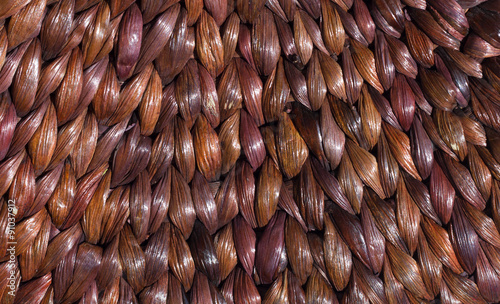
(249, 151)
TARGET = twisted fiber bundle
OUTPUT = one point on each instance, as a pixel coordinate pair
(279, 151)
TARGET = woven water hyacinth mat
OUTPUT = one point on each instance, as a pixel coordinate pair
(249, 151)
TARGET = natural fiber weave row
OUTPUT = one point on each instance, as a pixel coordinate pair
(248, 151)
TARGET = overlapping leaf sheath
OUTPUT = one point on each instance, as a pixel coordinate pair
(249, 151)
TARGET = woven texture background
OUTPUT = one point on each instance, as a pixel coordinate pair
(249, 151)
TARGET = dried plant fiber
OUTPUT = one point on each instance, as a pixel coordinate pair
(249, 151)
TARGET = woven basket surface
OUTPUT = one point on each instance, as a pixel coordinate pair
(249, 151)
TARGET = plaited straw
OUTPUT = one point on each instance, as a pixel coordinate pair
(233, 151)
